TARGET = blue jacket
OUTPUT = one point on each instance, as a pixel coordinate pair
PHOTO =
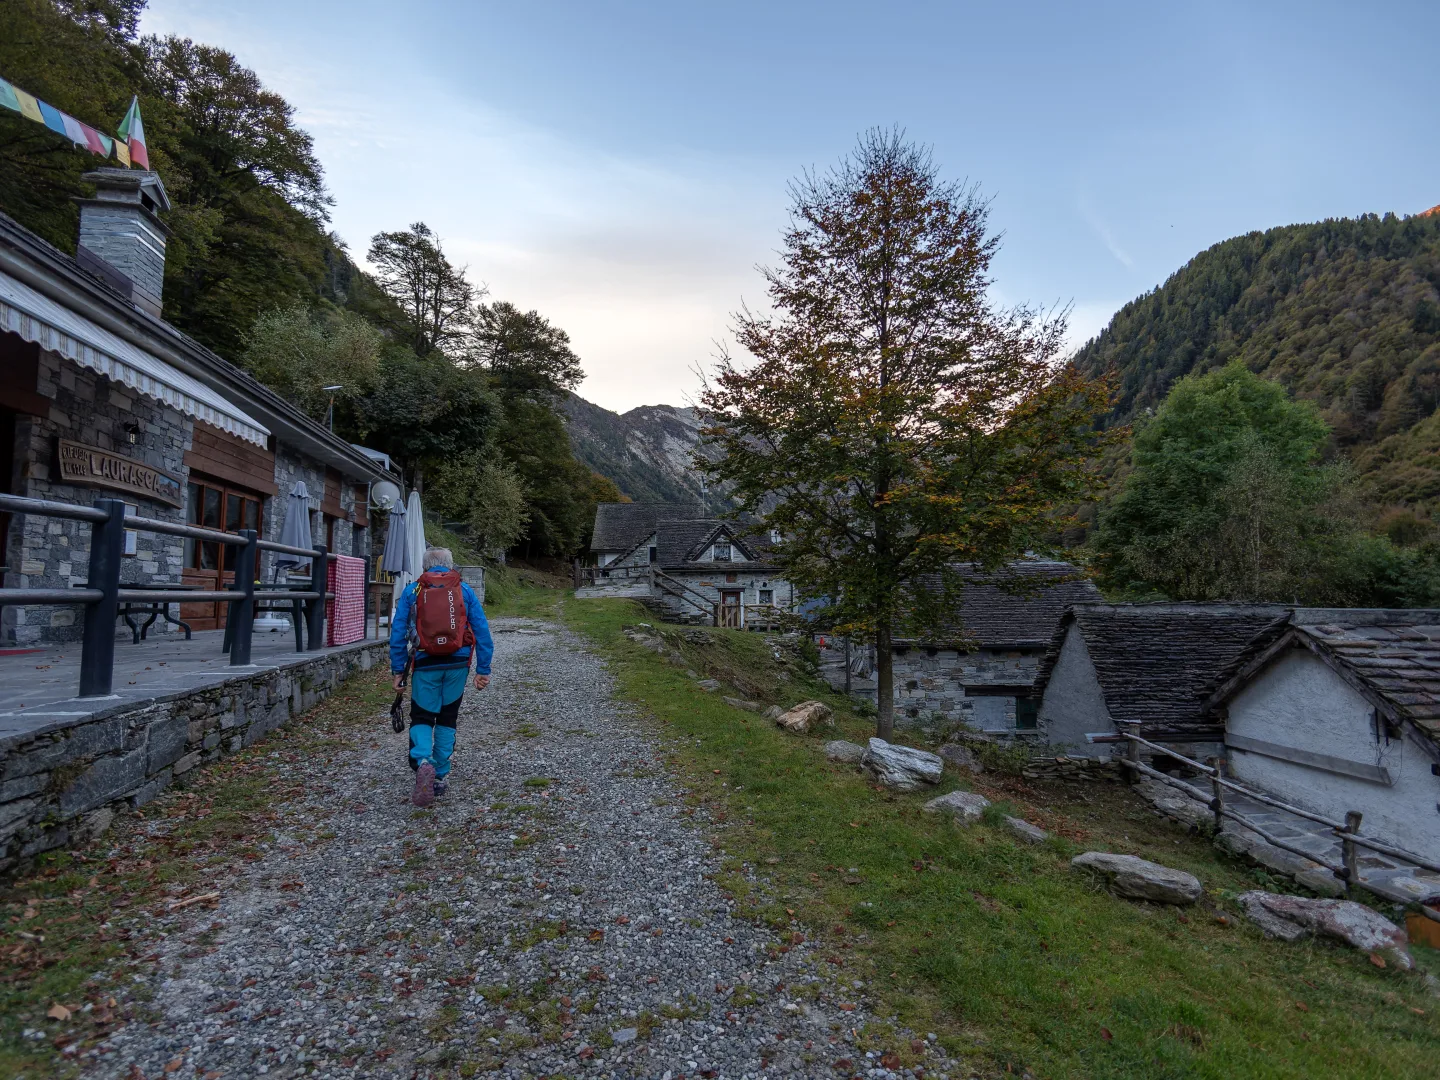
(402, 630)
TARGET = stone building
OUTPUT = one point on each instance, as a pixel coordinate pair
(101, 398)
(701, 570)
(1150, 664)
(1334, 710)
(983, 673)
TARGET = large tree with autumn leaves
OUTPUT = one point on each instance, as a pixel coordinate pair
(894, 424)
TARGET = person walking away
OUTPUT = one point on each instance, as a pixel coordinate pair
(438, 629)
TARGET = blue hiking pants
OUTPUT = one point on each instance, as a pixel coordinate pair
(434, 706)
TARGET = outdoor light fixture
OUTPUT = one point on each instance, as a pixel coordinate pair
(330, 409)
(132, 433)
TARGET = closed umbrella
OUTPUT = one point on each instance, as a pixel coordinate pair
(415, 535)
(397, 551)
(295, 532)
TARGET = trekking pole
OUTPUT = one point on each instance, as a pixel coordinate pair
(397, 707)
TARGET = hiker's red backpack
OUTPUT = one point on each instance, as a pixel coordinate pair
(441, 623)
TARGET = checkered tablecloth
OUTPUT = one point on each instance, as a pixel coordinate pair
(345, 615)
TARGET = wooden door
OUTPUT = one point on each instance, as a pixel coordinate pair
(730, 608)
(208, 563)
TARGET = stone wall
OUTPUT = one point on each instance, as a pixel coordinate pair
(53, 553)
(291, 467)
(1072, 768)
(65, 784)
(932, 682)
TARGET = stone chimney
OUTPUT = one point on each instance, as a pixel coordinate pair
(122, 240)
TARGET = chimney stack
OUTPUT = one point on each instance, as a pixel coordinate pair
(122, 240)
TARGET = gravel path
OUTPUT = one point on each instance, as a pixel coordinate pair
(550, 916)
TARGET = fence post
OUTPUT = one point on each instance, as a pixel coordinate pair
(1132, 751)
(315, 613)
(1217, 804)
(1347, 849)
(242, 612)
(97, 650)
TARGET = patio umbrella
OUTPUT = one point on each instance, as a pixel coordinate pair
(397, 552)
(295, 532)
(415, 535)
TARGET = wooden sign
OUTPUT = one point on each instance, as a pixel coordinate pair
(89, 465)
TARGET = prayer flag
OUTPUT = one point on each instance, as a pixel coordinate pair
(122, 153)
(98, 144)
(7, 96)
(132, 131)
(29, 106)
(52, 118)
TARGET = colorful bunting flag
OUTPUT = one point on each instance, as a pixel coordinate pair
(132, 131)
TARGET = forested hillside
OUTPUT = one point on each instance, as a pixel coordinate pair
(1343, 313)
(462, 390)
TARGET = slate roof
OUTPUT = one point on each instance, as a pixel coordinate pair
(682, 542)
(1392, 657)
(998, 619)
(1156, 663)
(621, 526)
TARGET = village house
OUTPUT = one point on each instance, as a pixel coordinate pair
(1145, 664)
(982, 672)
(100, 397)
(1335, 710)
(687, 569)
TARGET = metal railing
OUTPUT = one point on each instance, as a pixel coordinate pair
(103, 594)
(1348, 831)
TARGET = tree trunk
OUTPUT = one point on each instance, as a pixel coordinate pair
(884, 682)
(419, 479)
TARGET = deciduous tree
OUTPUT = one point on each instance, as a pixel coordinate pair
(895, 423)
(438, 300)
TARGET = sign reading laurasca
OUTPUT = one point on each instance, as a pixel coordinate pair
(80, 464)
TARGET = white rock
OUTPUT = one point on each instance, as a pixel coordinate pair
(964, 806)
(806, 715)
(708, 685)
(847, 752)
(1139, 879)
(1032, 834)
(1291, 917)
(741, 703)
(902, 768)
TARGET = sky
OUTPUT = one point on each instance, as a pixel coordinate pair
(622, 167)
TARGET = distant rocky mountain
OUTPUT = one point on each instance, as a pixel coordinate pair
(649, 451)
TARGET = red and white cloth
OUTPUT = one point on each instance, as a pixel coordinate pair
(345, 615)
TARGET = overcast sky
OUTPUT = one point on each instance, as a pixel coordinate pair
(622, 166)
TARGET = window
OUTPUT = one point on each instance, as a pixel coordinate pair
(1027, 714)
(722, 552)
(212, 505)
(767, 596)
(654, 554)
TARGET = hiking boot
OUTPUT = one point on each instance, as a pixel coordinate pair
(424, 793)
(442, 784)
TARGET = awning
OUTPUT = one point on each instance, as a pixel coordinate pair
(39, 319)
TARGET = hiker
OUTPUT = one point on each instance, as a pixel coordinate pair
(437, 629)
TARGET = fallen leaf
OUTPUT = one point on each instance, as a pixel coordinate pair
(845, 1006)
(890, 1061)
(1302, 1006)
(586, 1053)
(623, 920)
(173, 1064)
(1417, 1012)
(1377, 960)
(843, 1063)
(596, 935)
(58, 1012)
(1105, 1034)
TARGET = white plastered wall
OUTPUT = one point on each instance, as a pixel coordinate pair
(1074, 704)
(1299, 702)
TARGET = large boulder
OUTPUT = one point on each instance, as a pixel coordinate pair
(847, 753)
(964, 806)
(902, 768)
(960, 757)
(805, 716)
(1139, 879)
(1291, 917)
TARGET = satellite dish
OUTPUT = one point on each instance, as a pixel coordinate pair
(384, 494)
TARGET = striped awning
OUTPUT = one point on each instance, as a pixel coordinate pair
(55, 328)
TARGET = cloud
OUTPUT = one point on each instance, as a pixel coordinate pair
(1103, 231)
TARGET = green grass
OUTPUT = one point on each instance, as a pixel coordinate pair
(76, 924)
(517, 598)
(1018, 963)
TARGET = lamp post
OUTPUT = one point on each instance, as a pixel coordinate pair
(330, 409)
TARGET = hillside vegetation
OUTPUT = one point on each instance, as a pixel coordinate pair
(1343, 313)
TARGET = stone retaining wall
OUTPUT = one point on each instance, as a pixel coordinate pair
(65, 783)
(1072, 768)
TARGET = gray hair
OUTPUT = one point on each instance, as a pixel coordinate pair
(438, 557)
